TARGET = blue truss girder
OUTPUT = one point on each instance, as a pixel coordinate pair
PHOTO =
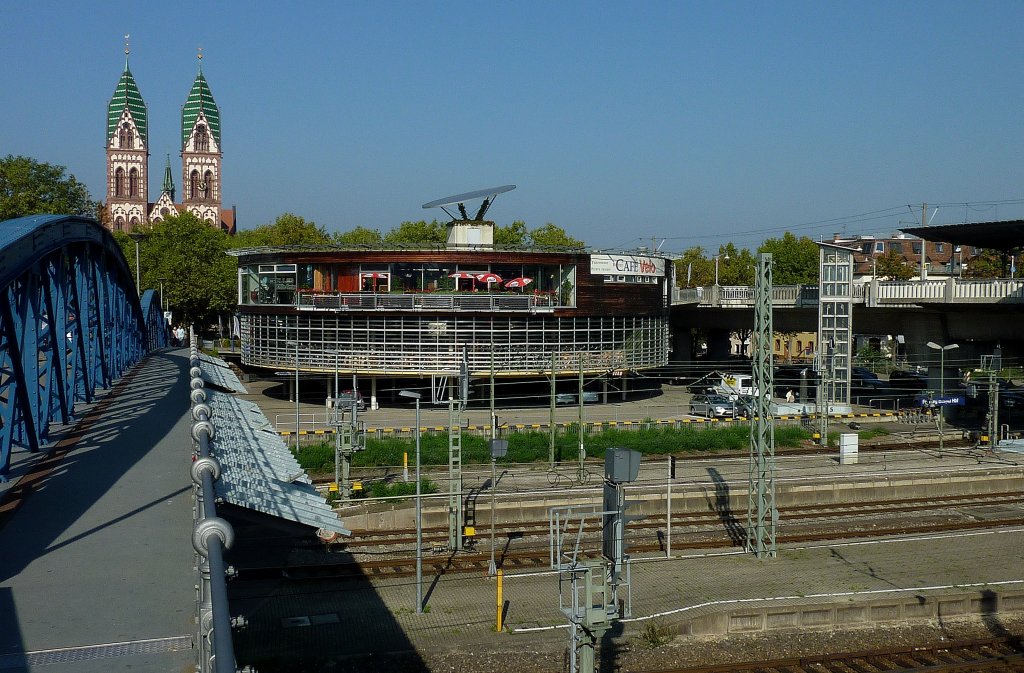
(70, 321)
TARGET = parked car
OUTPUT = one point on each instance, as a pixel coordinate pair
(345, 399)
(712, 406)
(570, 398)
(865, 385)
(1011, 396)
(907, 384)
(744, 406)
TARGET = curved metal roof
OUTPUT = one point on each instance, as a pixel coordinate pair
(1003, 235)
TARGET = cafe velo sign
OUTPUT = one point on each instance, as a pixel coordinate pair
(627, 265)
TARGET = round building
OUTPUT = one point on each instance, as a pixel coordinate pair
(415, 316)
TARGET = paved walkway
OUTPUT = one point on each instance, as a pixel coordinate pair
(96, 565)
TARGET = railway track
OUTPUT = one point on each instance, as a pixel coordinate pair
(997, 655)
(371, 540)
(378, 558)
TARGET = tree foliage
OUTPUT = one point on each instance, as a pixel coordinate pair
(694, 269)
(359, 236)
(287, 229)
(514, 235)
(735, 267)
(431, 233)
(892, 266)
(794, 260)
(28, 187)
(552, 236)
(199, 278)
(989, 264)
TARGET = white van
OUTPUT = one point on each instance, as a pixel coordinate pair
(734, 386)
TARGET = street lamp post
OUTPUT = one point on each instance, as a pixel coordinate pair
(724, 256)
(419, 513)
(942, 383)
(137, 236)
(296, 344)
(161, 294)
(337, 419)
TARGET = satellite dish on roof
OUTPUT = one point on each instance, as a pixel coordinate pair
(460, 199)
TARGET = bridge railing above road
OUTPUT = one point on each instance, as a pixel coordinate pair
(870, 293)
(946, 291)
(742, 296)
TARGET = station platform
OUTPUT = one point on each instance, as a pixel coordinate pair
(693, 596)
(96, 569)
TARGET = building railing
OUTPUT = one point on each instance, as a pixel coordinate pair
(871, 293)
(482, 301)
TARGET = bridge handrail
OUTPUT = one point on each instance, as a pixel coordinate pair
(210, 537)
(872, 293)
(948, 290)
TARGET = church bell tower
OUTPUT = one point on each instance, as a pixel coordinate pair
(201, 152)
(127, 154)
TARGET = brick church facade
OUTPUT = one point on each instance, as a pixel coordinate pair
(128, 206)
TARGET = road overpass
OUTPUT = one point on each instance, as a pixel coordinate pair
(976, 313)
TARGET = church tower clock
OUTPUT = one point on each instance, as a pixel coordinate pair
(201, 152)
(127, 154)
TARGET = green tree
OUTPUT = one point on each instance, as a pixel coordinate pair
(28, 187)
(694, 269)
(892, 266)
(514, 235)
(431, 233)
(794, 260)
(735, 267)
(359, 236)
(189, 254)
(989, 264)
(552, 236)
(287, 229)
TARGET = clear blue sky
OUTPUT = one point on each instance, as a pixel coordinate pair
(696, 122)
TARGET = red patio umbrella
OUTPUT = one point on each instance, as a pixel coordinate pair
(374, 276)
(463, 275)
(518, 282)
(488, 278)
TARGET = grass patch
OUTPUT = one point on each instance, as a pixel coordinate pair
(532, 447)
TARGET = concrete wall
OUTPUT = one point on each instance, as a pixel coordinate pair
(844, 614)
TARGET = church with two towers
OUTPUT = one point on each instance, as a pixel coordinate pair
(128, 206)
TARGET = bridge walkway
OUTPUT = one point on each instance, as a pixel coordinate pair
(96, 572)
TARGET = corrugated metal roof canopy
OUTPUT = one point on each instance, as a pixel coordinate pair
(258, 470)
(1005, 235)
(219, 374)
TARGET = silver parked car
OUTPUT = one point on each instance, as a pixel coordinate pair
(712, 406)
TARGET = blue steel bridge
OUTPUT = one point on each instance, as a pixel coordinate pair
(71, 322)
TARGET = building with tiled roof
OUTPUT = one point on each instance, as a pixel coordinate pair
(127, 204)
(941, 259)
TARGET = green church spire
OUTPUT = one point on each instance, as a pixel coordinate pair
(126, 95)
(168, 187)
(200, 99)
